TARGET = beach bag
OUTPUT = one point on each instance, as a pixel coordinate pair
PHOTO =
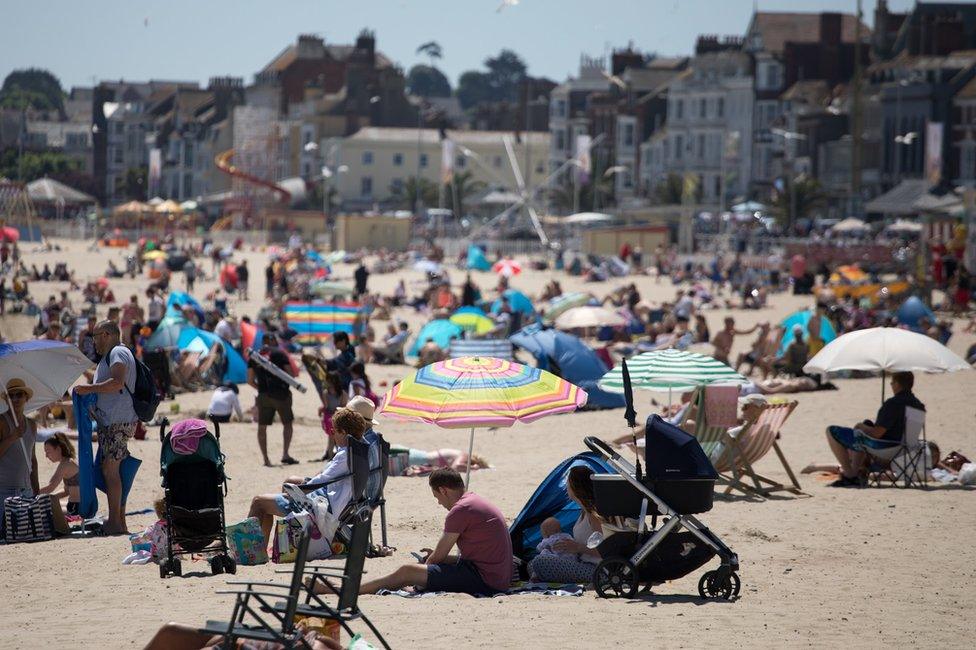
(245, 542)
(398, 462)
(28, 519)
(284, 541)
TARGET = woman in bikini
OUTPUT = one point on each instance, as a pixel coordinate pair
(58, 449)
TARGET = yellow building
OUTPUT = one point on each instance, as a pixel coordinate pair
(374, 164)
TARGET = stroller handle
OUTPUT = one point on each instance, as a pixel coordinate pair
(600, 447)
(162, 428)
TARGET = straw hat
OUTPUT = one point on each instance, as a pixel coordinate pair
(18, 384)
(755, 398)
(365, 407)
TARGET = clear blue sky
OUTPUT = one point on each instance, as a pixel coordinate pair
(84, 40)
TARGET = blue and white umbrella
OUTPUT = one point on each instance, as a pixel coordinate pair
(49, 368)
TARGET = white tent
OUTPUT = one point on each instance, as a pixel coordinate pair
(850, 225)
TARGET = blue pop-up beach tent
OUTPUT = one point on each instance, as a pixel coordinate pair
(912, 311)
(550, 499)
(477, 259)
(517, 300)
(194, 338)
(802, 318)
(178, 299)
(440, 331)
(577, 362)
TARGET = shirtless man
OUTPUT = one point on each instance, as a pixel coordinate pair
(724, 339)
(756, 352)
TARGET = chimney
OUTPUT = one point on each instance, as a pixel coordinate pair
(830, 28)
(310, 46)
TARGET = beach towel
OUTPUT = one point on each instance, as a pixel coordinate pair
(520, 587)
(185, 435)
(720, 405)
(89, 465)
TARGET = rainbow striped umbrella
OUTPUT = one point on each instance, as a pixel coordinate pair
(471, 392)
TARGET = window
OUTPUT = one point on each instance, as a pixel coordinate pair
(460, 162)
(703, 108)
(397, 186)
(423, 160)
(560, 141)
(187, 185)
(368, 159)
(539, 168)
(398, 159)
(366, 186)
(562, 107)
(188, 153)
(628, 135)
(678, 147)
(679, 109)
(117, 155)
(701, 146)
(720, 107)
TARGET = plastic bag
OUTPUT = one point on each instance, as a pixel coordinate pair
(967, 474)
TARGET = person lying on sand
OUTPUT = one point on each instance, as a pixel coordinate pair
(439, 458)
(174, 636)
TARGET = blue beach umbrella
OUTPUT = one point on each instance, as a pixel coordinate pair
(440, 331)
(912, 311)
(517, 300)
(802, 318)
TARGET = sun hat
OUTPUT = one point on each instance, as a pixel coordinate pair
(755, 398)
(16, 384)
(364, 406)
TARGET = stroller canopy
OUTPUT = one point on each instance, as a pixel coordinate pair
(567, 356)
(550, 500)
(672, 454)
(208, 450)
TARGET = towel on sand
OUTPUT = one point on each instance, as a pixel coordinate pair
(544, 588)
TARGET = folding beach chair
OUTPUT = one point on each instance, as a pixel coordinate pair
(497, 348)
(905, 461)
(741, 452)
(346, 608)
(257, 617)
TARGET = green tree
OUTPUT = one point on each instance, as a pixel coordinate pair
(32, 88)
(428, 81)
(809, 198)
(462, 186)
(505, 72)
(134, 183)
(669, 191)
(34, 164)
(474, 88)
(428, 193)
(432, 50)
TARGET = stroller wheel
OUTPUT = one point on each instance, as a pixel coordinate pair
(615, 578)
(216, 565)
(163, 569)
(175, 568)
(719, 584)
(229, 565)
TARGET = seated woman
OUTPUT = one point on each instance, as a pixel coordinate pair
(573, 561)
(58, 449)
(336, 475)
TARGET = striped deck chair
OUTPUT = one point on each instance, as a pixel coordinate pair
(497, 348)
(741, 452)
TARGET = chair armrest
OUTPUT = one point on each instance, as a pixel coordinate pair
(248, 592)
(276, 585)
(309, 487)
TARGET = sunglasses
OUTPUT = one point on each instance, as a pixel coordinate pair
(17, 394)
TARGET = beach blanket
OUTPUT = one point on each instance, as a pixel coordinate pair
(543, 588)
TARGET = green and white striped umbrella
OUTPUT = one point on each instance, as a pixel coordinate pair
(562, 303)
(671, 370)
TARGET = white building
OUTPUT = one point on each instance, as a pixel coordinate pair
(567, 109)
(374, 164)
(709, 127)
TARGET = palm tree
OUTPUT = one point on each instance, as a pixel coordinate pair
(462, 186)
(670, 190)
(428, 193)
(432, 50)
(799, 200)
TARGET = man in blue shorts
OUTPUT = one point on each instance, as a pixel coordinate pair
(477, 528)
(888, 429)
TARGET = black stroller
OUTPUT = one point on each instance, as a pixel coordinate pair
(678, 483)
(194, 486)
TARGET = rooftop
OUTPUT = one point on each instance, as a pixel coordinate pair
(778, 28)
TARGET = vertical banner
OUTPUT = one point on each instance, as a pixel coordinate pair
(583, 161)
(155, 171)
(447, 161)
(933, 152)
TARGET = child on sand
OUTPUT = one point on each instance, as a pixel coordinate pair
(58, 449)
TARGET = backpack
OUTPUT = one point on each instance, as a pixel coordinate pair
(145, 398)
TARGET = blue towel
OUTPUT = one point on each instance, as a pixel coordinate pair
(89, 464)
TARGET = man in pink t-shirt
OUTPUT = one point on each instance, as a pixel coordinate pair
(477, 528)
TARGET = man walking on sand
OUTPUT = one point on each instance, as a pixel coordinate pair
(274, 397)
(114, 382)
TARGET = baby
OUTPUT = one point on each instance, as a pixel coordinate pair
(552, 532)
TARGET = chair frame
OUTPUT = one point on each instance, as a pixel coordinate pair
(912, 453)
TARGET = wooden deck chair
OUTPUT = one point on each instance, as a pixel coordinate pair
(742, 451)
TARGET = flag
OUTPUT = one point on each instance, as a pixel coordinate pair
(689, 187)
(155, 171)
(583, 162)
(447, 161)
(933, 152)
(315, 323)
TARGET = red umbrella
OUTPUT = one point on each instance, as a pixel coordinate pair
(228, 277)
(102, 282)
(10, 234)
(507, 267)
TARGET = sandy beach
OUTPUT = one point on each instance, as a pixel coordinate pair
(846, 567)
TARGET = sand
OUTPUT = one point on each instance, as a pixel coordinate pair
(873, 568)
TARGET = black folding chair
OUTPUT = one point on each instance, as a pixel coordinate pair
(346, 608)
(254, 616)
